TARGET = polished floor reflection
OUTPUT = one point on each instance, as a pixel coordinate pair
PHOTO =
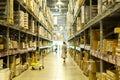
(55, 69)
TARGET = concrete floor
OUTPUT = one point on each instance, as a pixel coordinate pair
(55, 69)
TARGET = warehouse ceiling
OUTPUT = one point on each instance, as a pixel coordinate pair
(59, 10)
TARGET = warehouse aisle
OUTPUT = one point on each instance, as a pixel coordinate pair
(55, 69)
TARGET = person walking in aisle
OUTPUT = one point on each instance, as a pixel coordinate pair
(64, 51)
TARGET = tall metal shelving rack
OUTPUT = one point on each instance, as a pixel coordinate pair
(106, 21)
(9, 30)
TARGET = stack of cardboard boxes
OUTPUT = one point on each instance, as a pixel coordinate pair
(2, 44)
(109, 45)
(13, 44)
(117, 30)
(1, 64)
(6, 14)
(19, 18)
(109, 75)
(94, 12)
(95, 39)
(26, 20)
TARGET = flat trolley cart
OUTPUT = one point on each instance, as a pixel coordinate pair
(38, 63)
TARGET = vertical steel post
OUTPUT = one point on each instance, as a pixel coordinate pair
(90, 27)
(8, 42)
(90, 9)
(101, 45)
(101, 38)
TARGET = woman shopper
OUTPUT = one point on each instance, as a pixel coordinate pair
(64, 51)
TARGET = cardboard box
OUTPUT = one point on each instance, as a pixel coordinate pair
(101, 76)
(111, 75)
(15, 44)
(93, 66)
(22, 45)
(1, 64)
(2, 46)
(92, 76)
(1, 40)
(111, 45)
(117, 30)
(95, 45)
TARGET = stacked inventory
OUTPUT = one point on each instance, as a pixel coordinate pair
(25, 20)
(117, 30)
(94, 31)
(19, 18)
(6, 11)
(22, 39)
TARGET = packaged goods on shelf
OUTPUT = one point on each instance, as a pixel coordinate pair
(81, 41)
(2, 46)
(30, 44)
(17, 61)
(95, 66)
(92, 76)
(24, 2)
(111, 75)
(1, 64)
(34, 44)
(22, 45)
(117, 30)
(4, 74)
(85, 67)
(96, 34)
(4, 16)
(101, 76)
(14, 44)
(36, 9)
(10, 9)
(31, 5)
(25, 20)
(109, 45)
(87, 12)
(41, 31)
(95, 45)
(1, 40)
(32, 29)
(19, 18)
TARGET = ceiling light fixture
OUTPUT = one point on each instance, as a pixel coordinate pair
(59, 3)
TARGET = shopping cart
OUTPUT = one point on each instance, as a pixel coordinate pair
(38, 64)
